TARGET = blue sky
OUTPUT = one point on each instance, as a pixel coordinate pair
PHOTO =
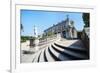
(44, 19)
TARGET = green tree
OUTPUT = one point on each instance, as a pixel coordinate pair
(25, 38)
(86, 19)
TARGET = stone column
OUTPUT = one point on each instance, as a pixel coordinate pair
(36, 41)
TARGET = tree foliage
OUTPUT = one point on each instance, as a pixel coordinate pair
(25, 38)
(86, 19)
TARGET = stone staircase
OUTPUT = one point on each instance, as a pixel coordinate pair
(59, 52)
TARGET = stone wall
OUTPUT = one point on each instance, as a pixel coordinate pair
(84, 36)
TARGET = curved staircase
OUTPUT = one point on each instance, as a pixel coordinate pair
(59, 52)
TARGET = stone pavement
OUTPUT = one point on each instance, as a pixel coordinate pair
(74, 43)
(28, 57)
(52, 52)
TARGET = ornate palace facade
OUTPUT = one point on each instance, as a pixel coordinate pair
(65, 28)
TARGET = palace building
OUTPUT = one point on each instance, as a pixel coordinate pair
(65, 28)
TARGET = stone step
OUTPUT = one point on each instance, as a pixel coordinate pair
(35, 59)
(53, 55)
(59, 52)
(68, 53)
(58, 55)
(76, 44)
(45, 58)
(74, 49)
(48, 56)
(41, 58)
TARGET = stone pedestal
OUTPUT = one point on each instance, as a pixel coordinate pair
(58, 37)
(36, 43)
(31, 42)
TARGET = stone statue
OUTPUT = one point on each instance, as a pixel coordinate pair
(35, 32)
